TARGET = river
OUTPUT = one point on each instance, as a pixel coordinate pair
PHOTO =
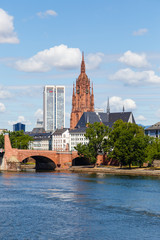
(63, 205)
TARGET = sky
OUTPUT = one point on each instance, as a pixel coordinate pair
(41, 43)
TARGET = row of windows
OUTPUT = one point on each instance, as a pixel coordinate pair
(39, 145)
(77, 134)
(75, 143)
(78, 139)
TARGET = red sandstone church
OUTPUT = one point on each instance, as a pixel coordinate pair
(83, 106)
(83, 98)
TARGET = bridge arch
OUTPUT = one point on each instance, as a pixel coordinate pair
(80, 161)
(45, 159)
(41, 162)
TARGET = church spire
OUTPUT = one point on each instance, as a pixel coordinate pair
(73, 89)
(92, 88)
(108, 110)
(108, 107)
(82, 64)
(82, 98)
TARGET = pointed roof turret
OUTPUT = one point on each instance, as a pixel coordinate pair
(92, 88)
(73, 89)
(82, 64)
(108, 107)
(108, 110)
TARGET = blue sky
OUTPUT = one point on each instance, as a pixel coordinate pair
(41, 43)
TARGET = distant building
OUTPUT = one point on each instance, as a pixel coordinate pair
(39, 127)
(154, 130)
(60, 140)
(53, 107)
(39, 124)
(19, 127)
(2, 130)
(41, 141)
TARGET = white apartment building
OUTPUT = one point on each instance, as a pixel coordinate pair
(53, 107)
(77, 136)
(60, 140)
(41, 141)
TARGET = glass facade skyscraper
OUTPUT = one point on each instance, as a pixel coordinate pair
(53, 107)
(19, 127)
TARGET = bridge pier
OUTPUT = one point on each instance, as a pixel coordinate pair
(9, 162)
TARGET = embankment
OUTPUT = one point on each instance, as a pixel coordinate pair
(118, 171)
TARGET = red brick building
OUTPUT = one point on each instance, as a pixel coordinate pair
(82, 98)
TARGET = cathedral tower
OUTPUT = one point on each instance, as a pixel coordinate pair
(82, 98)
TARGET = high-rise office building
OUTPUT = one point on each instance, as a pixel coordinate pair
(53, 107)
(19, 127)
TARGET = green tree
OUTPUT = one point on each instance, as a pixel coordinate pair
(139, 146)
(18, 139)
(1, 140)
(153, 150)
(97, 134)
(128, 143)
(83, 151)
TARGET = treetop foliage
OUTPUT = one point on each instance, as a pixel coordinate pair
(125, 142)
(96, 133)
(18, 139)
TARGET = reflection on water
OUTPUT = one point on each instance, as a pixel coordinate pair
(57, 205)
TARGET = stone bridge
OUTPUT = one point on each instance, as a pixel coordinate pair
(45, 160)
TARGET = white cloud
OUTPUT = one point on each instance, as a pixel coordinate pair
(94, 60)
(141, 118)
(117, 104)
(2, 107)
(158, 113)
(7, 34)
(4, 93)
(20, 119)
(47, 13)
(39, 114)
(60, 57)
(140, 32)
(131, 77)
(134, 59)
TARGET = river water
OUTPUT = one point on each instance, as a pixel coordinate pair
(76, 206)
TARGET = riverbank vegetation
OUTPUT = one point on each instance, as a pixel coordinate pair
(18, 139)
(124, 142)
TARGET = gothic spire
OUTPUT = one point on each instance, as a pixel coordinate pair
(92, 88)
(73, 89)
(82, 64)
(108, 107)
(123, 109)
(108, 110)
